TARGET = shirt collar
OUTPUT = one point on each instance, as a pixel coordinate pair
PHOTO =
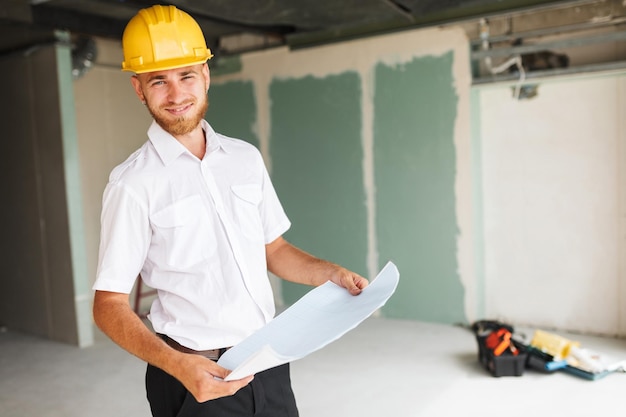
(169, 148)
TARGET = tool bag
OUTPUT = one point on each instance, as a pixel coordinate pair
(498, 351)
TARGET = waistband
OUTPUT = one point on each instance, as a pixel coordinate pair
(213, 354)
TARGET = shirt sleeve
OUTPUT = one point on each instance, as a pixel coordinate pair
(124, 239)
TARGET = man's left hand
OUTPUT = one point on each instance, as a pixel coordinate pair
(349, 280)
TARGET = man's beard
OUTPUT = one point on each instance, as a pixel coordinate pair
(181, 125)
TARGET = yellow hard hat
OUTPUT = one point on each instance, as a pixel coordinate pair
(161, 38)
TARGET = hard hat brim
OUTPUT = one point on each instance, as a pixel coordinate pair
(164, 65)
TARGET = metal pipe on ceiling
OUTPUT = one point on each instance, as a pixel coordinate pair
(565, 43)
(617, 67)
(557, 30)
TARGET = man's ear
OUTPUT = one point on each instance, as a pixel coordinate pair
(137, 87)
(207, 75)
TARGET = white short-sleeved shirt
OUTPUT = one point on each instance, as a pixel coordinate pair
(196, 232)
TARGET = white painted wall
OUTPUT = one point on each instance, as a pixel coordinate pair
(553, 205)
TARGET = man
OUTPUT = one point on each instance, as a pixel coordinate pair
(195, 214)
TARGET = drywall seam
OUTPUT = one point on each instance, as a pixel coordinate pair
(367, 138)
(621, 246)
(477, 291)
(463, 182)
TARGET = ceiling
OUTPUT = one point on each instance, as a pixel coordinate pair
(28, 23)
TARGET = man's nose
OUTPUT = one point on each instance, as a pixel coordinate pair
(174, 93)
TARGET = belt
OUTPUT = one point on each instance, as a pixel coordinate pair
(213, 354)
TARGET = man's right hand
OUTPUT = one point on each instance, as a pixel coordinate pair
(203, 378)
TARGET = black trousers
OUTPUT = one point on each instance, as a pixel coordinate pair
(268, 395)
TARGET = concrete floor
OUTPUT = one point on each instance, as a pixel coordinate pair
(381, 368)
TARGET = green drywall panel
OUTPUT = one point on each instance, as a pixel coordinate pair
(232, 110)
(414, 168)
(317, 157)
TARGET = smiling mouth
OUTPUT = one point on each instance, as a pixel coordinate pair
(179, 110)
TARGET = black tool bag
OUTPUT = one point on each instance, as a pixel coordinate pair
(498, 351)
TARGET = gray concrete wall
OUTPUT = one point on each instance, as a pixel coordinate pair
(37, 288)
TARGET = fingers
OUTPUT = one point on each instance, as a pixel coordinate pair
(354, 283)
(358, 285)
(218, 371)
(204, 378)
(237, 384)
(361, 282)
(211, 388)
(221, 389)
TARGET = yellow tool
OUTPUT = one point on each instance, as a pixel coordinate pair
(552, 344)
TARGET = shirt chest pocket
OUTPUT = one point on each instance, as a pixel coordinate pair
(246, 201)
(183, 232)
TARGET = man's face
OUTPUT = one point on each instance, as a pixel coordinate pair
(177, 98)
